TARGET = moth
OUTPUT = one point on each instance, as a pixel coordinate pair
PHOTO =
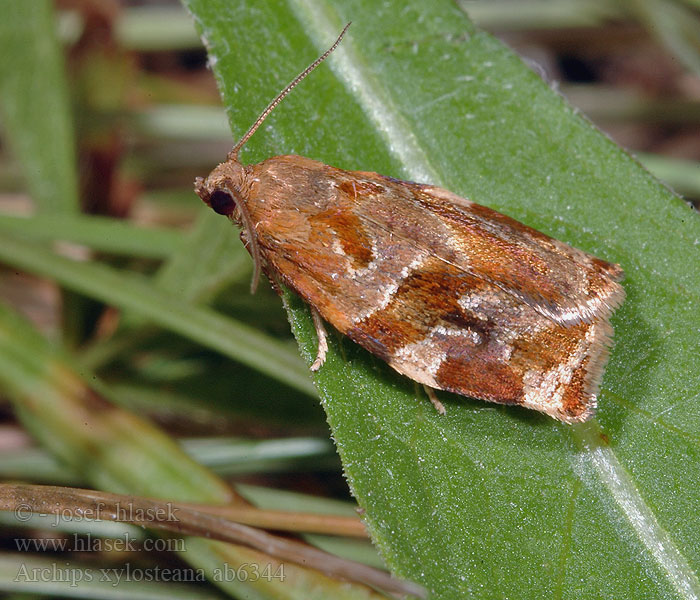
(452, 294)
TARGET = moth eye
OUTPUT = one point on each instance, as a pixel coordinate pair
(222, 202)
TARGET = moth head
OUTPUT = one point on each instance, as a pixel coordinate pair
(225, 192)
(224, 189)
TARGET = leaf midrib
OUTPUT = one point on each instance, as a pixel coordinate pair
(615, 478)
(350, 69)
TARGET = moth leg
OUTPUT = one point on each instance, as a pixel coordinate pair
(322, 340)
(434, 399)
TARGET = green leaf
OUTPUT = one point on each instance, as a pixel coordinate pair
(131, 291)
(209, 258)
(99, 233)
(488, 501)
(34, 104)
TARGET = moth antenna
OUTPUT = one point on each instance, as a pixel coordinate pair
(233, 155)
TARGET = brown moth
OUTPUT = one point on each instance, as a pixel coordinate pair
(450, 293)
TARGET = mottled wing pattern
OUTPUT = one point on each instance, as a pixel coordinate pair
(559, 281)
(454, 332)
(394, 266)
(459, 333)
